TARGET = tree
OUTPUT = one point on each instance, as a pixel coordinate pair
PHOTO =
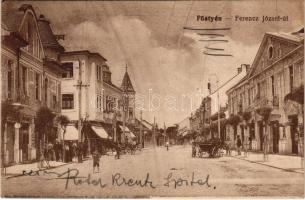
(44, 125)
(234, 121)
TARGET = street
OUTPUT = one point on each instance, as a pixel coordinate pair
(157, 172)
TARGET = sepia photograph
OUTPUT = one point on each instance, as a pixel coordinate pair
(152, 99)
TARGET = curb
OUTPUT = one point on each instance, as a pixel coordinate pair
(259, 163)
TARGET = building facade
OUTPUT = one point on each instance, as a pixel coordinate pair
(259, 107)
(30, 80)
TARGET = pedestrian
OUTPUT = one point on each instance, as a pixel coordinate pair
(96, 160)
(117, 148)
(193, 150)
(167, 145)
(67, 153)
(238, 144)
(74, 152)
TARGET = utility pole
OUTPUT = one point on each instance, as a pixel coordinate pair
(154, 133)
(218, 103)
(218, 111)
(79, 85)
(141, 132)
(125, 101)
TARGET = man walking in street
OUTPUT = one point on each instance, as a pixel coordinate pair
(96, 160)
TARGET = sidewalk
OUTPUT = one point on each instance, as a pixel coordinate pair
(19, 168)
(284, 162)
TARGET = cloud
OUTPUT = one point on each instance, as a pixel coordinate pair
(179, 73)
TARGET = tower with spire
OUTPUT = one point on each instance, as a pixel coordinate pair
(128, 90)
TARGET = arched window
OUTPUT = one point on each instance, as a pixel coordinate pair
(270, 52)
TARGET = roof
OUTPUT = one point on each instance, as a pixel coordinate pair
(84, 52)
(126, 83)
(238, 83)
(47, 36)
(292, 37)
(11, 19)
(111, 84)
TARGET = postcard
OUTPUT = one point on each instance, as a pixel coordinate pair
(152, 99)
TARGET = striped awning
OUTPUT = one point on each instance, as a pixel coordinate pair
(100, 131)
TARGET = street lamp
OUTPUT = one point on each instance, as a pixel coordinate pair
(218, 103)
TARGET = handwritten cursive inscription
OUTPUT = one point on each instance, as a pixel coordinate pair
(178, 182)
(119, 180)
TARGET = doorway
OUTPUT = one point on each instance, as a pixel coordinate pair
(10, 142)
(293, 131)
(24, 142)
(276, 136)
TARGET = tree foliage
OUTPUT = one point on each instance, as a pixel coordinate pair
(63, 121)
(44, 122)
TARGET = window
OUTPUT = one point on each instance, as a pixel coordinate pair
(258, 94)
(272, 86)
(69, 70)
(98, 73)
(291, 77)
(37, 86)
(54, 103)
(30, 38)
(10, 79)
(130, 113)
(24, 80)
(270, 52)
(67, 101)
(46, 85)
(99, 101)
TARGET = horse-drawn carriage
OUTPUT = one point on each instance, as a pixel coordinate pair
(211, 147)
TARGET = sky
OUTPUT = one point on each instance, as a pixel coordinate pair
(165, 61)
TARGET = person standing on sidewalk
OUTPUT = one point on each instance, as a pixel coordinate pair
(96, 160)
(167, 145)
(238, 144)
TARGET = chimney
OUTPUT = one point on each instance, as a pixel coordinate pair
(243, 67)
(246, 67)
(239, 70)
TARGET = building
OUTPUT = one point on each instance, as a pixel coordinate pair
(84, 96)
(267, 104)
(101, 101)
(30, 80)
(184, 131)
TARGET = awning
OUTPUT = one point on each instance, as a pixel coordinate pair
(128, 132)
(71, 133)
(100, 131)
